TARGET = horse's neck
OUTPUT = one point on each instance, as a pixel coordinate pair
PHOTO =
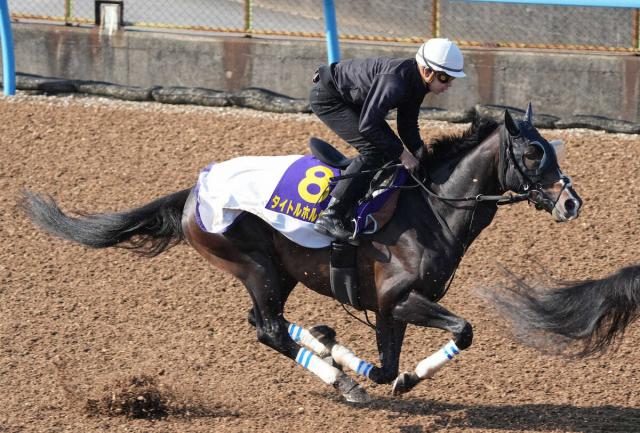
(476, 173)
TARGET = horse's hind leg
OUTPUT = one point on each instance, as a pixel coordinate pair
(287, 285)
(260, 276)
(418, 310)
(263, 282)
(389, 335)
(251, 262)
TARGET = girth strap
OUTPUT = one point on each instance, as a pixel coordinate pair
(343, 274)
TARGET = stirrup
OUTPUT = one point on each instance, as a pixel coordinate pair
(352, 239)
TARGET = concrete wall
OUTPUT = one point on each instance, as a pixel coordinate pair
(562, 84)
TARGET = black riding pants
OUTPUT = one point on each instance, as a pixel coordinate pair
(344, 120)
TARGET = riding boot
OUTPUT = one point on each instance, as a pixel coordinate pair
(333, 221)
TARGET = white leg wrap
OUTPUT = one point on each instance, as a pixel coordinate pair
(347, 358)
(431, 365)
(304, 337)
(317, 366)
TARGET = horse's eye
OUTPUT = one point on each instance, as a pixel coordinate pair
(534, 152)
(533, 156)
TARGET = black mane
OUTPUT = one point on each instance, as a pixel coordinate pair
(455, 145)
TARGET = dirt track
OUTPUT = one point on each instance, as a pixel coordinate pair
(73, 321)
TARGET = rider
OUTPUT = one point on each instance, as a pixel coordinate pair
(353, 97)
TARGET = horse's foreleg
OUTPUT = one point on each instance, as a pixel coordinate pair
(321, 339)
(341, 355)
(418, 310)
(389, 337)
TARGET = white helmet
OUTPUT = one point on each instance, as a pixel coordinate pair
(441, 54)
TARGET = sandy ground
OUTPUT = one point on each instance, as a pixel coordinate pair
(73, 322)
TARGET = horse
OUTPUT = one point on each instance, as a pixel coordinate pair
(403, 269)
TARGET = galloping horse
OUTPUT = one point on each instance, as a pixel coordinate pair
(403, 269)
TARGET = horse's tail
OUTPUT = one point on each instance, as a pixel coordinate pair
(593, 313)
(148, 230)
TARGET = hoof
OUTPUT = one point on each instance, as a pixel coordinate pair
(325, 334)
(357, 395)
(405, 382)
(351, 390)
(251, 318)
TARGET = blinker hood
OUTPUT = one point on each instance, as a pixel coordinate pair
(529, 136)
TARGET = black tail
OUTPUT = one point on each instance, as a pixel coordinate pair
(592, 314)
(149, 230)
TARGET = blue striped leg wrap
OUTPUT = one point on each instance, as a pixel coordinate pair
(295, 331)
(304, 357)
(364, 368)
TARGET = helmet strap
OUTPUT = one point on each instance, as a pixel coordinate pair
(424, 73)
(430, 75)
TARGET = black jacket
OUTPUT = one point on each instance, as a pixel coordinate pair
(375, 86)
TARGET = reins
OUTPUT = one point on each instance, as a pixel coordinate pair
(385, 167)
(499, 199)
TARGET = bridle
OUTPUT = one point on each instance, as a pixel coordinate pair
(531, 190)
(530, 183)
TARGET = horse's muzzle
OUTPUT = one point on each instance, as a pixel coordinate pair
(567, 206)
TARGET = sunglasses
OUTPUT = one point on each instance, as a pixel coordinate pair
(444, 78)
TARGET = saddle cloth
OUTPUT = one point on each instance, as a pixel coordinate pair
(288, 192)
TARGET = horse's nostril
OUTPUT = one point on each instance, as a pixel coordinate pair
(570, 204)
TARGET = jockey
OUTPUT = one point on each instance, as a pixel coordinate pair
(353, 97)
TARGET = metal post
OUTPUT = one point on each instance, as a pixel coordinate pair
(67, 12)
(435, 18)
(248, 18)
(331, 28)
(8, 60)
(636, 30)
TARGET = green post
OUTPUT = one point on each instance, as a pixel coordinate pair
(636, 31)
(67, 11)
(435, 18)
(248, 19)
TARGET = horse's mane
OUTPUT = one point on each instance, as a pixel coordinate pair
(455, 145)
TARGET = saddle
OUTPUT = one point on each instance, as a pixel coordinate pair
(377, 206)
(374, 210)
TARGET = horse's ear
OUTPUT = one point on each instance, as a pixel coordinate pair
(510, 124)
(528, 116)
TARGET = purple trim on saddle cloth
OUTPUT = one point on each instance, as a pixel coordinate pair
(303, 190)
(235, 222)
(196, 192)
(376, 203)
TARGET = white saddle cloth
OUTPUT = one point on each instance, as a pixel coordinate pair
(248, 184)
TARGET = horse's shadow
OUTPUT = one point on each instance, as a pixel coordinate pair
(537, 417)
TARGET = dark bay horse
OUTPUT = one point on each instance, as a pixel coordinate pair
(403, 269)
